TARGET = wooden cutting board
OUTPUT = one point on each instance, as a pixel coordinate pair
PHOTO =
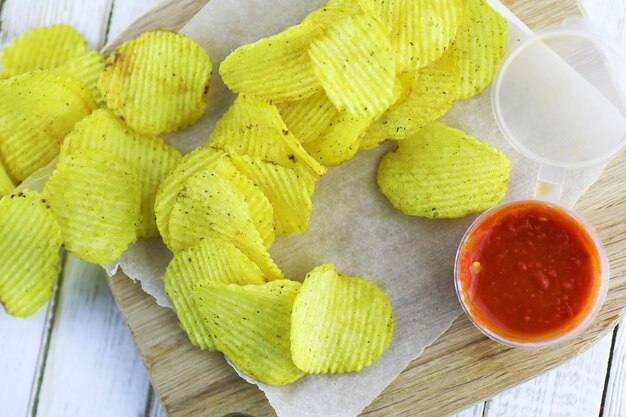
(459, 369)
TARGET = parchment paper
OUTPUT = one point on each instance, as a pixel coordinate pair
(352, 224)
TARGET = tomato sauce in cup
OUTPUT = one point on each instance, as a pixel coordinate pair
(531, 273)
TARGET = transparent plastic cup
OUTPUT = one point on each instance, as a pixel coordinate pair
(559, 99)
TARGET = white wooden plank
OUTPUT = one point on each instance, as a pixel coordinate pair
(20, 343)
(154, 406)
(88, 17)
(474, 411)
(615, 400)
(92, 366)
(571, 390)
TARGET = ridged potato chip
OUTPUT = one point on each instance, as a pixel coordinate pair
(276, 67)
(157, 82)
(151, 158)
(87, 68)
(355, 64)
(420, 30)
(38, 109)
(442, 172)
(259, 207)
(189, 165)
(42, 48)
(480, 47)
(428, 94)
(210, 206)
(251, 326)
(333, 11)
(96, 199)
(340, 141)
(253, 126)
(6, 183)
(308, 118)
(288, 193)
(212, 260)
(339, 323)
(30, 239)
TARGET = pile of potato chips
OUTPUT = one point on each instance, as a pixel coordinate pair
(350, 76)
(61, 102)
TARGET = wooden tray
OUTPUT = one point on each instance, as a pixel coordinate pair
(459, 369)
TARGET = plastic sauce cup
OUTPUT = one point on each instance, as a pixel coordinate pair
(559, 99)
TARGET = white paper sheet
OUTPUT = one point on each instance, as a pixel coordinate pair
(352, 224)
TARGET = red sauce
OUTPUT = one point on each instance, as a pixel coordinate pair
(529, 271)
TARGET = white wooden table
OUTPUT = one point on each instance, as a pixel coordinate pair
(75, 357)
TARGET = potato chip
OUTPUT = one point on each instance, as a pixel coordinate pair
(333, 11)
(87, 68)
(340, 141)
(480, 47)
(277, 67)
(149, 156)
(210, 206)
(250, 325)
(157, 82)
(38, 109)
(288, 193)
(420, 30)
(308, 118)
(6, 183)
(96, 199)
(428, 94)
(259, 207)
(253, 126)
(442, 172)
(355, 64)
(339, 323)
(42, 48)
(189, 165)
(213, 260)
(30, 239)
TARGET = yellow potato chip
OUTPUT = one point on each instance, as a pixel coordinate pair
(42, 48)
(157, 82)
(6, 183)
(333, 11)
(30, 239)
(276, 67)
(210, 206)
(149, 156)
(288, 193)
(96, 199)
(480, 47)
(259, 207)
(442, 172)
(339, 323)
(420, 30)
(308, 118)
(251, 325)
(87, 68)
(428, 95)
(354, 62)
(212, 260)
(253, 126)
(189, 165)
(340, 141)
(38, 109)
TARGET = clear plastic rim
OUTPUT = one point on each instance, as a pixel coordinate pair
(497, 83)
(593, 311)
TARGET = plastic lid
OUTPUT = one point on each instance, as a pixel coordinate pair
(560, 97)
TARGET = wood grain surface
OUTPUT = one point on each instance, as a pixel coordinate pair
(460, 368)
